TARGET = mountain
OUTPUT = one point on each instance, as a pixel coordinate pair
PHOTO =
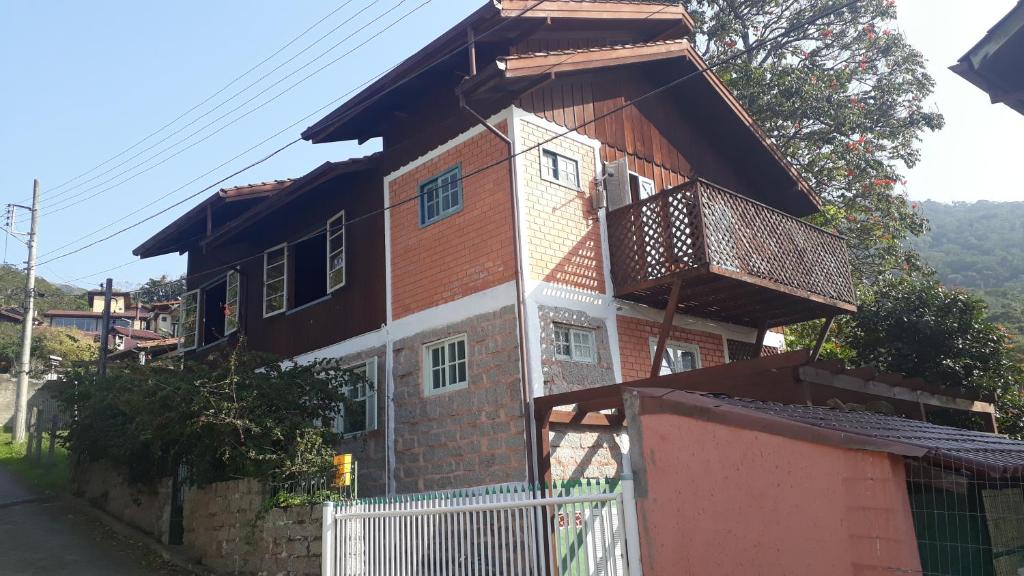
(51, 296)
(975, 245)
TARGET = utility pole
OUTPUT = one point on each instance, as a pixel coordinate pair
(21, 404)
(105, 327)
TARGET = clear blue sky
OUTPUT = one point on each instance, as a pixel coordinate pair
(84, 80)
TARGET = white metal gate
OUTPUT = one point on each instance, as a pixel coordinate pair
(500, 530)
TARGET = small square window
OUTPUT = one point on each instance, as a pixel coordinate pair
(574, 344)
(445, 366)
(558, 168)
(440, 196)
(679, 357)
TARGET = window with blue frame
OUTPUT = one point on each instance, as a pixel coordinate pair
(441, 196)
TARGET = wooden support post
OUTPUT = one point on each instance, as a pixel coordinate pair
(472, 51)
(762, 331)
(38, 450)
(825, 328)
(666, 327)
(28, 433)
(53, 437)
(990, 423)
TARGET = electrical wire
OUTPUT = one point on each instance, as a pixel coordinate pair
(233, 110)
(215, 94)
(701, 70)
(303, 119)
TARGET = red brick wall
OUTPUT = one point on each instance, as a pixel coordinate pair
(635, 346)
(465, 253)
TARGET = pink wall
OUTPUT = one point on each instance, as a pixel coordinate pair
(729, 501)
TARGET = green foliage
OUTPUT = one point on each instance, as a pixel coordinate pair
(236, 415)
(50, 296)
(47, 475)
(915, 326)
(72, 346)
(844, 99)
(161, 289)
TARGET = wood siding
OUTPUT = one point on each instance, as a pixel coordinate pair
(354, 309)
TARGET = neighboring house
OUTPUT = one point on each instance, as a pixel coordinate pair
(996, 63)
(162, 317)
(127, 338)
(465, 290)
(86, 320)
(11, 315)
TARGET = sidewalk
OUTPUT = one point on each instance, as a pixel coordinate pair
(46, 537)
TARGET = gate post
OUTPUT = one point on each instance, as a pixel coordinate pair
(328, 541)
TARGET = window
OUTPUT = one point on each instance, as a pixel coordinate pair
(679, 357)
(230, 305)
(440, 197)
(275, 272)
(214, 303)
(575, 344)
(561, 169)
(362, 415)
(83, 324)
(309, 257)
(118, 342)
(445, 365)
(336, 252)
(190, 320)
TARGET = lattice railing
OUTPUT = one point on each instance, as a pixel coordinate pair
(699, 223)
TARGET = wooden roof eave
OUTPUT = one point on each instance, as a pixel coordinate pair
(316, 177)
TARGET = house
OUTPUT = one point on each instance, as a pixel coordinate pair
(994, 64)
(123, 312)
(11, 315)
(644, 225)
(162, 317)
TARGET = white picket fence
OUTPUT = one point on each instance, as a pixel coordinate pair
(585, 529)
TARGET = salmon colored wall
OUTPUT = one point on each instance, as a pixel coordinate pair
(635, 346)
(563, 233)
(465, 253)
(722, 501)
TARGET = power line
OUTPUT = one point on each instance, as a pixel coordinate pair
(217, 93)
(700, 71)
(331, 103)
(233, 110)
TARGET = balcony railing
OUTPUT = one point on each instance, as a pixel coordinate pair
(726, 244)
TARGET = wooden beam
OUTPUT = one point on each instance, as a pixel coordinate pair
(666, 326)
(822, 335)
(762, 331)
(581, 419)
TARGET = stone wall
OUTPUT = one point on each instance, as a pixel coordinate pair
(142, 506)
(369, 449)
(228, 529)
(465, 437)
(578, 453)
(563, 375)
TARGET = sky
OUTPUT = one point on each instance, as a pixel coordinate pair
(86, 81)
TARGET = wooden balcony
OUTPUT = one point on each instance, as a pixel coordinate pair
(738, 261)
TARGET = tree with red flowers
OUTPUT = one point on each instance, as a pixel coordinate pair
(844, 99)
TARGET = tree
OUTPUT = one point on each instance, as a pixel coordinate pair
(914, 326)
(161, 289)
(844, 99)
(71, 346)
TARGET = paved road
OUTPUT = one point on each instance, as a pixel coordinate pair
(41, 536)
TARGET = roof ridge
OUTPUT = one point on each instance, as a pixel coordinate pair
(666, 42)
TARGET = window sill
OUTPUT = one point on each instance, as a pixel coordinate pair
(309, 304)
(213, 344)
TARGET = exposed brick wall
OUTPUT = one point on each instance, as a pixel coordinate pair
(465, 253)
(467, 437)
(563, 375)
(635, 346)
(563, 233)
(578, 453)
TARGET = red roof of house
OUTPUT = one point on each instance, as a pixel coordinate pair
(84, 314)
(136, 333)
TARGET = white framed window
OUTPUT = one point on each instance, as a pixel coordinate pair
(362, 415)
(441, 196)
(189, 320)
(574, 344)
(336, 252)
(118, 342)
(679, 357)
(232, 299)
(275, 276)
(559, 168)
(444, 365)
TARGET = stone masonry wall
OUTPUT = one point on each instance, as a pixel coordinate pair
(369, 449)
(8, 397)
(145, 507)
(228, 530)
(578, 453)
(467, 437)
(563, 375)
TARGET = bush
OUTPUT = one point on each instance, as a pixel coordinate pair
(234, 415)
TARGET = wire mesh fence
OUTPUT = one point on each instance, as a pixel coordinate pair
(968, 522)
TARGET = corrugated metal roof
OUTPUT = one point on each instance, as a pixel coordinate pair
(978, 451)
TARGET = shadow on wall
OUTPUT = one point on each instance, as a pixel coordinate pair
(37, 397)
(580, 266)
(578, 453)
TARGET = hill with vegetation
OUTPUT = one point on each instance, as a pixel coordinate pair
(51, 296)
(978, 246)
